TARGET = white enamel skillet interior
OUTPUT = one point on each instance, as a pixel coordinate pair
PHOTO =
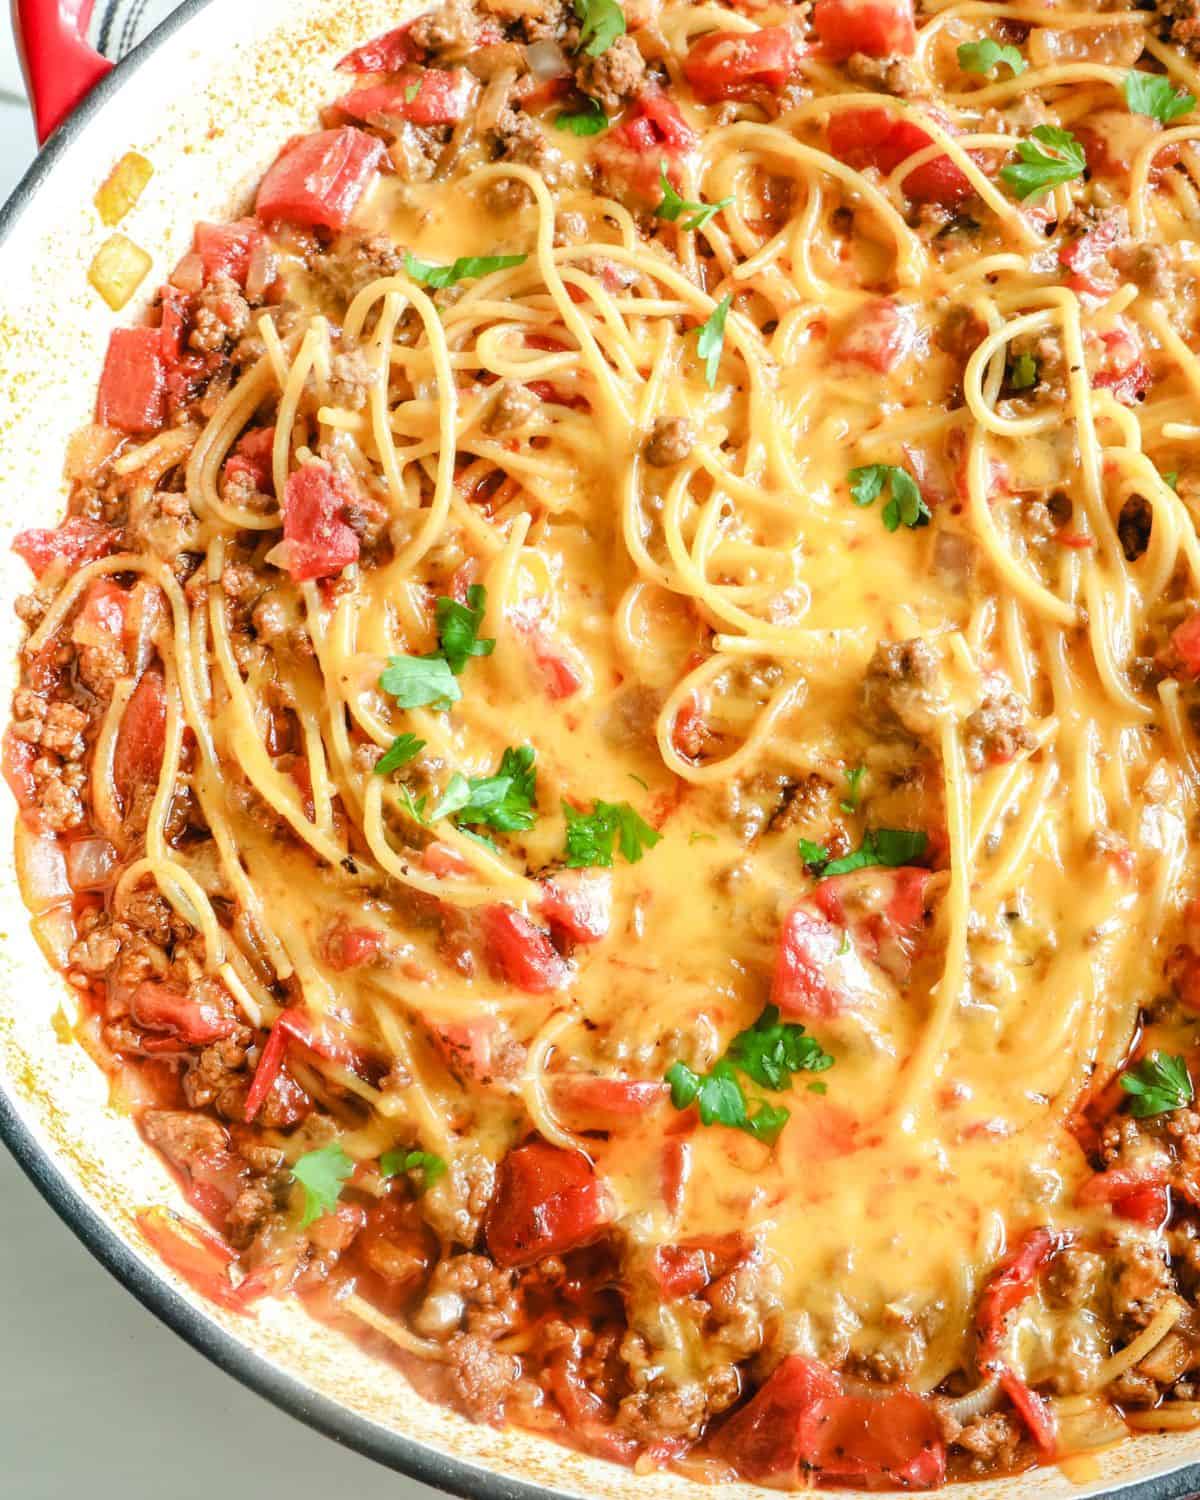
(209, 98)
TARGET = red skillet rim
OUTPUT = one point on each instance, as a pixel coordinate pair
(393, 1449)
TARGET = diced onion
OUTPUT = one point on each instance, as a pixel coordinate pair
(546, 60)
(123, 187)
(188, 275)
(41, 870)
(118, 270)
(495, 100)
(90, 864)
(1116, 46)
(55, 933)
(976, 1403)
(1086, 1425)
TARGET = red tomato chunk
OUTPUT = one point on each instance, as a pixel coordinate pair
(431, 97)
(76, 542)
(879, 28)
(728, 64)
(133, 387)
(320, 179)
(319, 542)
(547, 1201)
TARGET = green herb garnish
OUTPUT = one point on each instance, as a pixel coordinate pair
(906, 504)
(889, 847)
(983, 57)
(849, 803)
(588, 120)
(1023, 372)
(431, 1167)
(1152, 94)
(458, 628)
(592, 838)
(420, 682)
(464, 268)
(673, 206)
(321, 1175)
(504, 801)
(1049, 157)
(712, 339)
(603, 21)
(404, 747)
(1158, 1084)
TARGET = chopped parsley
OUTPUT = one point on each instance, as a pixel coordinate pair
(592, 838)
(1152, 94)
(889, 847)
(589, 119)
(1023, 372)
(602, 22)
(458, 628)
(769, 1053)
(1171, 479)
(504, 801)
(712, 340)
(1049, 157)
(420, 682)
(465, 267)
(431, 1167)
(849, 803)
(321, 1175)
(1158, 1084)
(411, 91)
(906, 503)
(673, 206)
(404, 747)
(985, 56)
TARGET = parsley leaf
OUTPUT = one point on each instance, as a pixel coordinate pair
(603, 22)
(772, 1050)
(420, 682)
(1159, 1083)
(458, 628)
(466, 266)
(986, 55)
(411, 91)
(769, 1053)
(415, 810)
(1171, 479)
(431, 1167)
(906, 505)
(592, 837)
(1023, 372)
(889, 847)
(321, 1175)
(503, 801)
(854, 778)
(1050, 156)
(589, 120)
(404, 747)
(712, 340)
(672, 205)
(1152, 94)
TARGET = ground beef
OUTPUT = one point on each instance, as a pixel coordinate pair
(182, 1136)
(59, 793)
(512, 408)
(54, 726)
(351, 380)
(1139, 1280)
(1134, 525)
(671, 441)
(900, 689)
(217, 1077)
(221, 313)
(990, 1442)
(1147, 265)
(448, 33)
(468, 1291)
(481, 1377)
(1180, 23)
(162, 523)
(521, 140)
(613, 77)
(354, 261)
(889, 75)
(996, 731)
(960, 332)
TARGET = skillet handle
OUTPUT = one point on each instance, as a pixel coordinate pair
(61, 69)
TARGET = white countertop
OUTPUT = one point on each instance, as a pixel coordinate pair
(97, 1398)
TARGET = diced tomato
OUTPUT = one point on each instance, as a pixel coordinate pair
(442, 861)
(674, 1171)
(479, 1051)
(1186, 640)
(227, 249)
(133, 387)
(319, 179)
(1117, 1184)
(880, 28)
(194, 1020)
(874, 137)
(586, 1101)
(587, 1416)
(1123, 371)
(802, 1420)
(1148, 1206)
(1012, 1281)
(1112, 140)
(521, 953)
(254, 458)
(141, 739)
(890, 931)
(1032, 1410)
(176, 306)
(1082, 252)
(292, 1025)
(431, 96)
(683, 1270)
(578, 904)
(878, 336)
(632, 153)
(101, 617)
(808, 978)
(1183, 972)
(563, 678)
(384, 54)
(320, 544)
(200, 1258)
(547, 1201)
(18, 760)
(346, 947)
(76, 542)
(728, 64)
(395, 1250)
